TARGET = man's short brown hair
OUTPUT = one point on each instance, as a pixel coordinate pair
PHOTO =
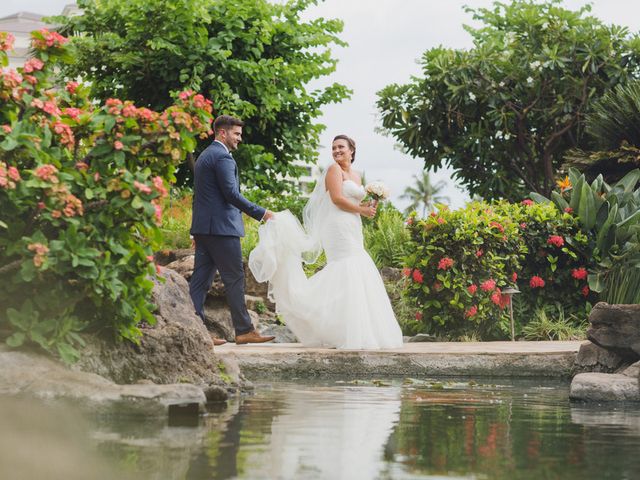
(225, 122)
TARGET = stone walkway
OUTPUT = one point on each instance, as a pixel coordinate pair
(516, 359)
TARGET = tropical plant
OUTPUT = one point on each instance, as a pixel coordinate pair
(503, 113)
(386, 237)
(549, 322)
(254, 58)
(423, 195)
(611, 215)
(613, 126)
(460, 261)
(81, 184)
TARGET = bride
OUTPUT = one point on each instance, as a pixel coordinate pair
(344, 305)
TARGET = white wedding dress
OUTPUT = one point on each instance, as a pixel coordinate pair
(345, 304)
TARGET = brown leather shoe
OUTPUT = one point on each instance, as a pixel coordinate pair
(218, 341)
(252, 337)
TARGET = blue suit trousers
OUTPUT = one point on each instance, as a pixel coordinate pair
(223, 254)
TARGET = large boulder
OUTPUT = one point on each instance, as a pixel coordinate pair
(177, 349)
(616, 328)
(36, 376)
(593, 358)
(604, 387)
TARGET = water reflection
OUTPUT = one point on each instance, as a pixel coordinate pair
(331, 430)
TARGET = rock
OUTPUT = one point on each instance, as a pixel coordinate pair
(281, 332)
(214, 393)
(390, 274)
(219, 318)
(252, 286)
(422, 337)
(603, 387)
(616, 328)
(183, 266)
(34, 375)
(592, 358)
(178, 349)
(632, 371)
(165, 257)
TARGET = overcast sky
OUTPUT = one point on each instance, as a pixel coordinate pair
(386, 38)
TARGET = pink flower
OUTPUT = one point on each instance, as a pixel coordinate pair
(48, 40)
(579, 273)
(150, 258)
(479, 253)
(13, 174)
(185, 95)
(40, 253)
(142, 188)
(72, 112)
(488, 285)
(32, 65)
(523, 226)
(7, 129)
(417, 276)
(158, 213)
(406, 271)
(47, 173)
(158, 183)
(471, 312)
(527, 202)
(445, 263)
(51, 108)
(536, 282)
(71, 87)
(555, 240)
(496, 297)
(441, 220)
(497, 225)
(31, 79)
(118, 145)
(6, 41)
(568, 210)
(437, 286)
(514, 277)
(472, 289)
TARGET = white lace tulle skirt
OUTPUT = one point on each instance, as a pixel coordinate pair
(344, 305)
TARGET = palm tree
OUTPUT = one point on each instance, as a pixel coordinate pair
(424, 194)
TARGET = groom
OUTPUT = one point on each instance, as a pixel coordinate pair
(216, 226)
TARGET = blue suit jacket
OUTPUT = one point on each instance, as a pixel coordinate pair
(217, 202)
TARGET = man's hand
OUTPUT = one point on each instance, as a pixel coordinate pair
(268, 215)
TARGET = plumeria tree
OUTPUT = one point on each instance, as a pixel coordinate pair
(80, 189)
(503, 113)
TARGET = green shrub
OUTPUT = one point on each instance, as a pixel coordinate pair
(551, 323)
(81, 185)
(386, 237)
(461, 260)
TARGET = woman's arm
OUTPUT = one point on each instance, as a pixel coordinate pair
(333, 182)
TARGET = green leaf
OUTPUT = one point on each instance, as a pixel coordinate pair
(587, 208)
(16, 339)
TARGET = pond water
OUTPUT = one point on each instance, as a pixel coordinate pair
(396, 429)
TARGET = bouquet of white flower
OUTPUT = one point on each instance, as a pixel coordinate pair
(377, 190)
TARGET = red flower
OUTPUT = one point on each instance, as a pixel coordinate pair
(498, 226)
(118, 145)
(417, 276)
(418, 316)
(488, 285)
(536, 282)
(523, 225)
(496, 296)
(441, 220)
(479, 253)
(472, 289)
(409, 221)
(514, 277)
(406, 271)
(527, 202)
(471, 312)
(437, 286)
(568, 210)
(585, 290)
(71, 87)
(445, 263)
(555, 240)
(579, 273)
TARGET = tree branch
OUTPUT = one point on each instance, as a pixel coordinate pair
(10, 266)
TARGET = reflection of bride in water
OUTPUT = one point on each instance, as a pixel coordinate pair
(353, 424)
